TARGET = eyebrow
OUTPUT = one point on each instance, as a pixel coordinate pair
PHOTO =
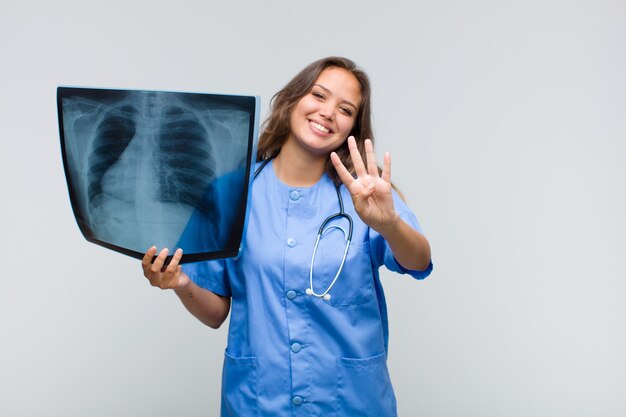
(330, 92)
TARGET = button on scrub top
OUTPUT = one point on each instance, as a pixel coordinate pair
(289, 353)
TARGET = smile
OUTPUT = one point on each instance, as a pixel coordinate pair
(319, 127)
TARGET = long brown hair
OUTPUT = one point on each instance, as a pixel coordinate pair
(277, 127)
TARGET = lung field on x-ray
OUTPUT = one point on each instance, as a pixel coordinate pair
(185, 150)
(113, 135)
(153, 161)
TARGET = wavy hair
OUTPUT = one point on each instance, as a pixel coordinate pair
(277, 127)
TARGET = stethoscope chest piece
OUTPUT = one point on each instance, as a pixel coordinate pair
(326, 296)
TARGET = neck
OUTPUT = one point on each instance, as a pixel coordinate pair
(297, 167)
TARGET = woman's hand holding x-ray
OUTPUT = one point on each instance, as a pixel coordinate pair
(371, 192)
(210, 308)
(169, 277)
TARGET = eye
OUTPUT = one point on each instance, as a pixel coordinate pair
(318, 95)
(346, 110)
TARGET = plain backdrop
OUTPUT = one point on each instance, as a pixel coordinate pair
(506, 122)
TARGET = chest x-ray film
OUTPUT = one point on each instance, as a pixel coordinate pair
(159, 168)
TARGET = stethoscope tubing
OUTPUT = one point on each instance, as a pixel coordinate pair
(323, 229)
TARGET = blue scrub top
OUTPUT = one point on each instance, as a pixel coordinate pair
(289, 353)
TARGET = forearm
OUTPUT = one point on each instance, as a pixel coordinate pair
(410, 248)
(208, 307)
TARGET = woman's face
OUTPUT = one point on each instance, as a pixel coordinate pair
(323, 118)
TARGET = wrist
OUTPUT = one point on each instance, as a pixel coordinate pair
(390, 227)
(184, 283)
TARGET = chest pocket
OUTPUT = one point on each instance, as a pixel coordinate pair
(355, 282)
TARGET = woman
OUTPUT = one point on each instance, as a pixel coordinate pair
(308, 328)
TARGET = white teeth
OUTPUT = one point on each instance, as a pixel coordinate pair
(320, 127)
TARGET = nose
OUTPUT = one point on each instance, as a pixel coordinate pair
(328, 112)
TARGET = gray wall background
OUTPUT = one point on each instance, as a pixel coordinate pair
(506, 124)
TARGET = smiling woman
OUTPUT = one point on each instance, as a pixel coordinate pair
(313, 292)
(278, 125)
(324, 117)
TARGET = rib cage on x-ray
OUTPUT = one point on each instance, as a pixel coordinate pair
(112, 137)
(185, 157)
(185, 150)
(156, 161)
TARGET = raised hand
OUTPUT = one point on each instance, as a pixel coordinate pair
(371, 192)
(169, 277)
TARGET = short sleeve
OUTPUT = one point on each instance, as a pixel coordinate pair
(210, 275)
(381, 252)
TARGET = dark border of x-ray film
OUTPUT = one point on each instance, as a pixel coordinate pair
(249, 103)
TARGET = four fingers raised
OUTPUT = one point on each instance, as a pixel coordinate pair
(359, 166)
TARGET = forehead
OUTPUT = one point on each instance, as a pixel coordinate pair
(341, 83)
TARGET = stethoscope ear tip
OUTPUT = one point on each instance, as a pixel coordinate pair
(327, 297)
(309, 291)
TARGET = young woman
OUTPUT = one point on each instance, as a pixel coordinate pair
(308, 328)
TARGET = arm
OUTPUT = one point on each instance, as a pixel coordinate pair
(373, 201)
(410, 248)
(208, 307)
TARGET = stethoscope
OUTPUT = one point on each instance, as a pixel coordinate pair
(325, 227)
